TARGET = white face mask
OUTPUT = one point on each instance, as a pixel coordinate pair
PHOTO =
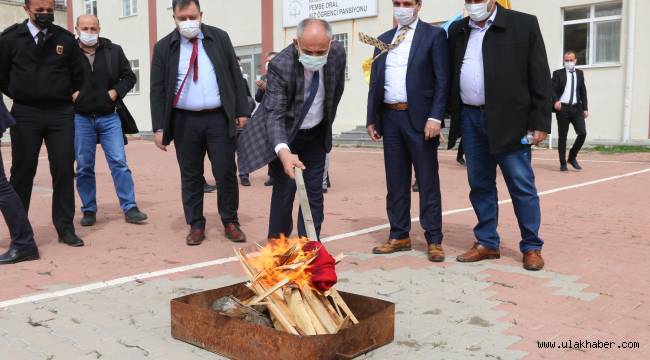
(570, 65)
(311, 62)
(88, 39)
(403, 15)
(189, 28)
(478, 12)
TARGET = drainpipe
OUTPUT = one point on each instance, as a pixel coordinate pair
(629, 70)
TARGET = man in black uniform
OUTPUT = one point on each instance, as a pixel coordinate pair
(41, 70)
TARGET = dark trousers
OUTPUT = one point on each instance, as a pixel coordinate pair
(22, 236)
(196, 133)
(482, 173)
(310, 147)
(404, 147)
(55, 126)
(566, 116)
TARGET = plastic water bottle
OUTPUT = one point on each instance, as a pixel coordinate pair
(528, 139)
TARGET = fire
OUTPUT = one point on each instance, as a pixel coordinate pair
(284, 258)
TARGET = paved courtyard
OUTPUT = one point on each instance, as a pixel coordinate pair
(110, 299)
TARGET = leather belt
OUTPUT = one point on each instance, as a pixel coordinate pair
(397, 107)
(201, 111)
(574, 105)
(480, 108)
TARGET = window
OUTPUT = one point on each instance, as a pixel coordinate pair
(135, 66)
(343, 39)
(251, 64)
(129, 7)
(90, 7)
(594, 33)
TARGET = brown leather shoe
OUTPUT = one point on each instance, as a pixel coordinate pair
(478, 252)
(393, 245)
(533, 260)
(195, 237)
(234, 233)
(435, 253)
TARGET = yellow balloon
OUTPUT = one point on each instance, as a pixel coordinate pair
(366, 65)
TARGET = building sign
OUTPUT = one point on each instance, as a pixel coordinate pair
(331, 10)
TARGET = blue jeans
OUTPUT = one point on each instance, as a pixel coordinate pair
(108, 130)
(518, 174)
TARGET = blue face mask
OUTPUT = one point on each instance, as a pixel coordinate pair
(312, 63)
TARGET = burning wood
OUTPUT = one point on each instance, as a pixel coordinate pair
(296, 288)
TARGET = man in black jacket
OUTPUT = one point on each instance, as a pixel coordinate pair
(500, 105)
(41, 70)
(107, 78)
(198, 100)
(571, 107)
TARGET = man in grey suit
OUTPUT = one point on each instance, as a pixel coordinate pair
(293, 126)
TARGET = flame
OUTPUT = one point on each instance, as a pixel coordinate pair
(284, 258)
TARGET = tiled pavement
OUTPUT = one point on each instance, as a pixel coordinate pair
(595, 286)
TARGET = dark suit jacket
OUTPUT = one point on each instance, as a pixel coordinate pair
(164, 74)
(277, 118)
(517, 79)
(559, 84)
(427, 78)
(6, 120)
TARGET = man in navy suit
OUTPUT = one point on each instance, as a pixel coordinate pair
(22, 246)
(409, 89)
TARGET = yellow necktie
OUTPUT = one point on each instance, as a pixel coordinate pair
(383, 47)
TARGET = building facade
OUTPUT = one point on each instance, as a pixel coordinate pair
(608, 36)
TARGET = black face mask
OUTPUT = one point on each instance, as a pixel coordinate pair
(44, 20)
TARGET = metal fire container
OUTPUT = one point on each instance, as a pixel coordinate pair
(194, 321)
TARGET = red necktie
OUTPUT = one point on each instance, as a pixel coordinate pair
(194, 63)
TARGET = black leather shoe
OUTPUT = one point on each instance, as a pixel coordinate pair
(461, 161)
(89, 218)
(14, 256)
(575, 164)
(207, 188)
(269, 182)
(245, 181)
(135, 216)
(564, 168)
(71, 239)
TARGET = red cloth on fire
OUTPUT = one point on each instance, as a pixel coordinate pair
(323, 274)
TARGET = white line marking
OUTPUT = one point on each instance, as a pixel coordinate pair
(535, 158)
(184, 268)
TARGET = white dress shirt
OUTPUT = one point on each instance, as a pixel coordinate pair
(316, 112)
(396, 66)
(34, 30)
(397, 61)
(566, 96)
(472, 76)
(204, 93)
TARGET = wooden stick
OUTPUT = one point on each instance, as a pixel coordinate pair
(268, 292)
(319, 309)
(297, 307)
(343, 324)
(330, 309)
(304, 205)
(339, 300)
(275, 309)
